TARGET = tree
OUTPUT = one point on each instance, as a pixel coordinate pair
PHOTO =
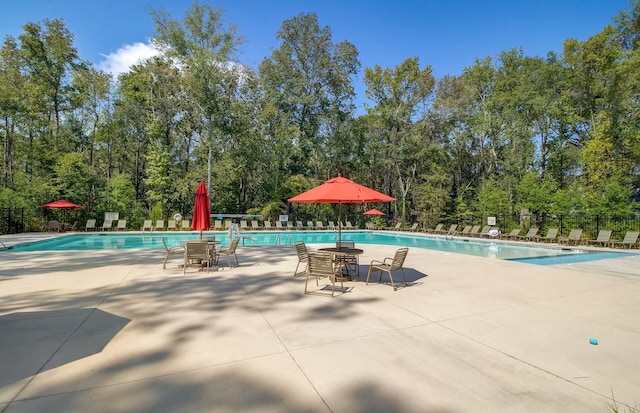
(203, 46)
(11, 83)
(308, 85)
(49, 55)
(400, 96)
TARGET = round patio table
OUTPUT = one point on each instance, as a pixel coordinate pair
(340, 256)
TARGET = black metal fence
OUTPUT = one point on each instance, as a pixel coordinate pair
(11, 220)
(590, 224)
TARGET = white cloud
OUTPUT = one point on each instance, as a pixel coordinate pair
(128, 55)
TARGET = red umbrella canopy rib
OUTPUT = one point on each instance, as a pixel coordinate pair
(373, 212)
(201, 210)
(61, 203)
(341, 190)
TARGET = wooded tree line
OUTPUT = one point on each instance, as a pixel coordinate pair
(557, 134)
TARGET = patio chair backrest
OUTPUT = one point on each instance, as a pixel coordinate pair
(438, 227)
(452, 229)
(631, 237)
(604, 235)
(197, 249)
(552, 233)
(217, 224)
(532, 232)
(475, 229)
(345, 244)
(398, 259)
(91, 223)
(320, 264)
(466, 229)
(233, 246)
(301, 250)
(166, 247)
(575, 234)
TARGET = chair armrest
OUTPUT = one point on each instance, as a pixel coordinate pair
(374, 262)
(387, 258)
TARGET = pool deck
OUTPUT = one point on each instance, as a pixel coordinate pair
(106, 331)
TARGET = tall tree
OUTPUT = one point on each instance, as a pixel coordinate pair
(308, 84)
(401, 96)
(49, 56)
(204, 47)
(11, 85)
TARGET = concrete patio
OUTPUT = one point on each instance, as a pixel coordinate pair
(106, 331)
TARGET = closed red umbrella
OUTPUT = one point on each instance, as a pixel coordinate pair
(341, 190)
(201, 210)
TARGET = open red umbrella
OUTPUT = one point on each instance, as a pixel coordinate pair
(341, 190)
(372, 212)
(201, 210)
(61, 204)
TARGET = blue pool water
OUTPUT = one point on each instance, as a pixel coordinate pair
(507, 251)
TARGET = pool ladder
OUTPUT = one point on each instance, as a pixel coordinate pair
(288, 241)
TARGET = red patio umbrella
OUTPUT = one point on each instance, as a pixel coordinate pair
(201, 210)
(61, 204)
(372, 212)
(341, 190)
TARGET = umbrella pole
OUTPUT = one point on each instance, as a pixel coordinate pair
(340, 223)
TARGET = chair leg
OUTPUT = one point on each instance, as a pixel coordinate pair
(368, 275)
(403, 277)
(306, 281)
(391, 279)
(164, 264)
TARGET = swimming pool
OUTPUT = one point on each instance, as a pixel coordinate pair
(541, 255)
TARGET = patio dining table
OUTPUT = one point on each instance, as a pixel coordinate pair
(341, 257)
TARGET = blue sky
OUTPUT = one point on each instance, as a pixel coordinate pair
(446, 34)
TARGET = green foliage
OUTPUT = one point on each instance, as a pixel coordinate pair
(492, 199)
(272, 210)
(72, 177)
(122, 193)
(536, 194)
(156, 212)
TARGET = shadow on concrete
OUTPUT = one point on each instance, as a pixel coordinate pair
(37, 341)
